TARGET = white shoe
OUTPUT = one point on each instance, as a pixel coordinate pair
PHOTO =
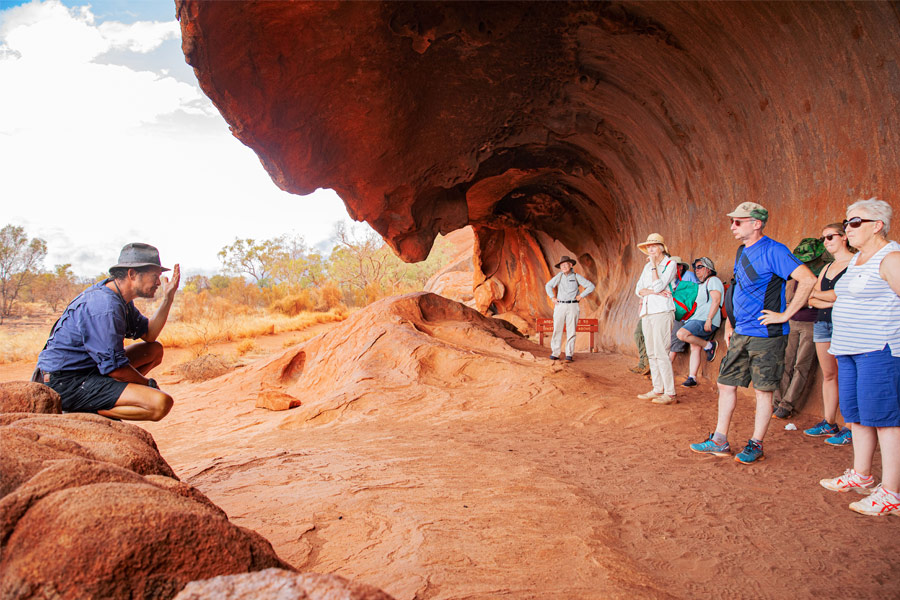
(649, 395)
(665, 399)
(878, 504)
(850, 481)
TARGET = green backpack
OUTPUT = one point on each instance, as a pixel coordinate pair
(685, 297)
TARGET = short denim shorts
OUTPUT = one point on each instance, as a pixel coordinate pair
(695, 326)
(822, 331)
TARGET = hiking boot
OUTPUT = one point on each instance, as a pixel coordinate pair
(639, 369)
(690, 382)
(878, 504)
(648, 396)
(850, 481)
(554, 357)
(665, 399)
(751, 453)
(843, 438)
(822, 429)
(710, 447)
(569, 359)
(711, 353)
(781, 413)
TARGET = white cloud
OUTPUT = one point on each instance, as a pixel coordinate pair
(93, 155)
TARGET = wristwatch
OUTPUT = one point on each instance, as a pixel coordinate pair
(152, 383)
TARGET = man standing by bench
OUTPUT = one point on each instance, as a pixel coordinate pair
(565, 310)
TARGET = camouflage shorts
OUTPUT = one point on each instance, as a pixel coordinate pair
(756, 359)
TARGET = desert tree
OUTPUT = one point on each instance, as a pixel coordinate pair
(19, 259)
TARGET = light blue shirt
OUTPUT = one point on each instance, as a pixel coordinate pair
(568, 286)
(705, 301)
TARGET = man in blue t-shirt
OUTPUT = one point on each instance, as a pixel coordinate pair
(756, 343)
(85, 360)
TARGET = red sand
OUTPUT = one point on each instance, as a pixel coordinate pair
(458, 466)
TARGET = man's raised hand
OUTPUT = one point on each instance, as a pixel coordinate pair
(170, 286)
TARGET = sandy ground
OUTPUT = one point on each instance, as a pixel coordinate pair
(572, 490)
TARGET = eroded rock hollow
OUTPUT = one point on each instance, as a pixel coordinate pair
(562, 128)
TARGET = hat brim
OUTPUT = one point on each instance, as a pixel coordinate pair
(570, 261)
(138, 265)
(642, 244)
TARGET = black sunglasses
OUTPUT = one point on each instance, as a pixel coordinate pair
(856, 222)
(699, 266)
(829, 237)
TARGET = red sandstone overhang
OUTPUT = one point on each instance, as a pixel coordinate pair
(554, 128)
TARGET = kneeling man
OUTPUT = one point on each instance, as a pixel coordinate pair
(85, 356)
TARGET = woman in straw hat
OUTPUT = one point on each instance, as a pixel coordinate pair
(657, 316)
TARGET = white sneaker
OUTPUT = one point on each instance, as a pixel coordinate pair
(878, 504)
(849, 481)
(665, 399)
(649, 395)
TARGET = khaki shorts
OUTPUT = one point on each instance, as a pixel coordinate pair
(756, 359)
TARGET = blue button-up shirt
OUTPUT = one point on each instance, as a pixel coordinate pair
(568, 286)
(91, 332)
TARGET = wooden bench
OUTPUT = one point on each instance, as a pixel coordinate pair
(590, 325)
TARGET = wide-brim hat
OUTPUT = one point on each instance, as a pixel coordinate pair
(707, 262)
(653, 238)
(678, 261)
(136, 255)
(565, 259)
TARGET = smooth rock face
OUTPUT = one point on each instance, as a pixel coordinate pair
(276, 583)
(28, 397)
(562, 128)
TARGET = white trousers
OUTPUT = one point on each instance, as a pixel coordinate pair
(564, 314)
(658, 336)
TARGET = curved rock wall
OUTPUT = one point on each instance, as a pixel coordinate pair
(562, 128)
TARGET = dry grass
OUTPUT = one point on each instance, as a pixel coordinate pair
(246, 346)
(21, 344)
(25, 342)
(208, 366)
(203, 332)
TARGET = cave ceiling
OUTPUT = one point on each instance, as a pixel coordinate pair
(562, 127)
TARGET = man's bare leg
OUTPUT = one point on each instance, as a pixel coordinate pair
(763, 414)
(144, 356)
(140, 403)
(727, 402)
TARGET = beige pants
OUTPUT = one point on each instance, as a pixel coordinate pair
(564, 314)
(658, 335)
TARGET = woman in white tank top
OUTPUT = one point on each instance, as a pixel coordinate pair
(866, 343)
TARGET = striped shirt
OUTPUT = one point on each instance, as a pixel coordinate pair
(866, 314)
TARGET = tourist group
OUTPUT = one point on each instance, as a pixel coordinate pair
(843, 306)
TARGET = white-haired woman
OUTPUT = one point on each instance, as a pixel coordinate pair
(835, 240)
(657, 316)
(866, 342)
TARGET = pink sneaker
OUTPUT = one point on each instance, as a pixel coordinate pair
(850, 480)
(880, 503)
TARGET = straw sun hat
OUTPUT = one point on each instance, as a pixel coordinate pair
(653, 238)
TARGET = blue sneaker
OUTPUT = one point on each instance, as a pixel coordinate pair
(751, 453)
(822, 429)
(710, 447)
(842, 438)
(711, 353)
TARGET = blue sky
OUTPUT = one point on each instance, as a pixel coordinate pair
(106, 138)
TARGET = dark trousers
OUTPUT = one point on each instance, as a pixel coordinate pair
(799, 367)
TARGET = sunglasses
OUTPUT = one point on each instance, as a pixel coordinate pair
(829, 237)
(699, 266)
(855, 222)
(740, 222)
